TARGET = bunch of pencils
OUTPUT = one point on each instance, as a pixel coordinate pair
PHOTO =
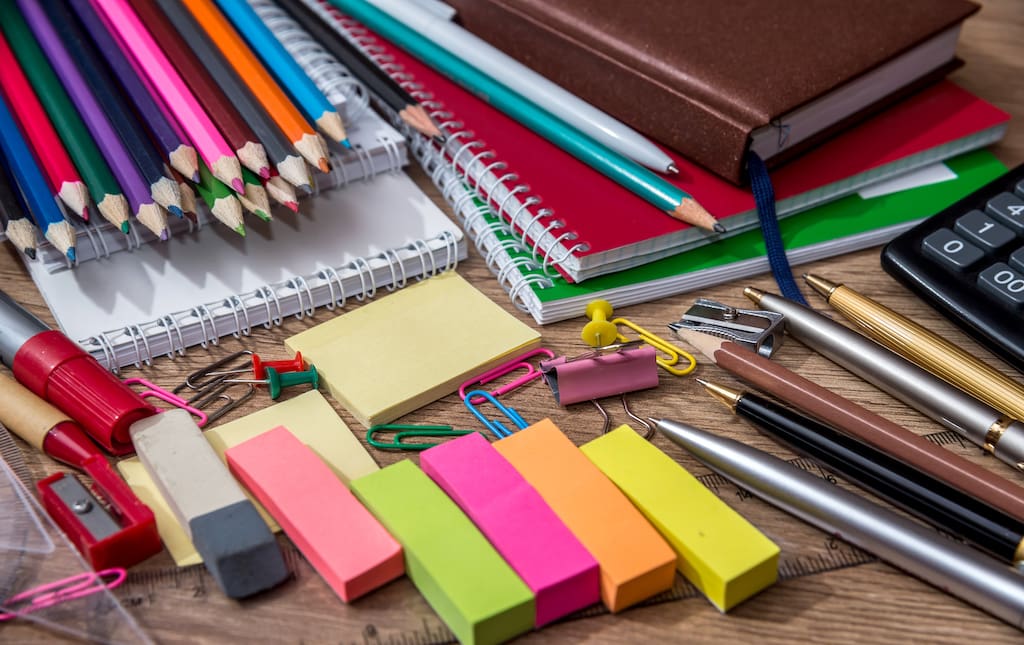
(135, 106)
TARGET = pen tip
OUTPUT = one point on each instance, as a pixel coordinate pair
(754, 295)
(822, 286)
(672, 169)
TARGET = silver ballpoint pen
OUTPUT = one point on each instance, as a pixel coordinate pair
(952, 567)
(955, 409)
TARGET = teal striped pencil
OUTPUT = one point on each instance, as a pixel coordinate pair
(626, 172)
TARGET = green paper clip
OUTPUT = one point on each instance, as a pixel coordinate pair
(410, 430)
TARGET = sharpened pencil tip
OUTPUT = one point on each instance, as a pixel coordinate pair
(262, 214)
(265, 172)
(719, 228)
(238, 185)
(176, 211)
(294, 206)
(324, 165)
(240, 229)
(30, 252)
(71, 254)
(165, 235)
(195, 177)
(346, 143)
(440, 139)
(125, 228)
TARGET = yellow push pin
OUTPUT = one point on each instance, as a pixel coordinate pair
(599, 331)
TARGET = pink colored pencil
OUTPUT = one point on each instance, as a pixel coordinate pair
(60, 171)
(208, 141)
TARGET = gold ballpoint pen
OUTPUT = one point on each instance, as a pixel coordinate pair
(930, 351)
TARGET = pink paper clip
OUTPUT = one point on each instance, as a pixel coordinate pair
(156, 392)
(517, 363)
(54, 593)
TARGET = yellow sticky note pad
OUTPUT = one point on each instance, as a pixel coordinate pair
(308, 416)
(403, 351)
(721, 553)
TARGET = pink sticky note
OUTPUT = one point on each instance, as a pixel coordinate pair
(518, 522)
(340, 538)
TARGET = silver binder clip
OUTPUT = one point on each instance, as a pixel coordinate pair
(761, 331)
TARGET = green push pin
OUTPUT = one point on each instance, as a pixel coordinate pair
(277, 381)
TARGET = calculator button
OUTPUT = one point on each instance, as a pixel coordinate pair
(1020, 188)
(1009, 209)
(981, 229)
(1017, 259)
(1004, 284)
(951, 250)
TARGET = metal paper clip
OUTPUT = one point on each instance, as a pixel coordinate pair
(495, 427)
(153, 391)
(407, 431)
(761, 331)
(517, 363)
(625, 406)
(601, 331)
(214, 372)
(219, 391)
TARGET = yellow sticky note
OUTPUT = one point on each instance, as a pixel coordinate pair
(308, 416)
(403, 351)
(721, 553)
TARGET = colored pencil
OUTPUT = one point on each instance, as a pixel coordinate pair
(29, 178)
(103, 133)
(165, 133)
(188, 195)
(108, 95)
(260, 82)
(255, 199)
(92, 166)
(279, 149)
(210, 144)
(650, 187)
(359, 64)
(289, 74)
(282, 192)
(220, 199)
(14, 212)
(211, 97)
(60, 171)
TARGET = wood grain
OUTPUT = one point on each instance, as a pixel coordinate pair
(865, 603)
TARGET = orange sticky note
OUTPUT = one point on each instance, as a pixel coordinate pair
(635, 561)
(341, 539)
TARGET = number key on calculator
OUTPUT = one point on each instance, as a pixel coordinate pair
(968, 262)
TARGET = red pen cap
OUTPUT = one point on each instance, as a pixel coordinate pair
(55, 368)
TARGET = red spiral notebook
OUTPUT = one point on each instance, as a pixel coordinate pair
(584, 225)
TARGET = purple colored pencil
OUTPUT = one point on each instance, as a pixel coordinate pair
(135, 188)
(168, 136)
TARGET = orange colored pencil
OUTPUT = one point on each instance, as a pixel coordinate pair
(260, 82)
(60, 171)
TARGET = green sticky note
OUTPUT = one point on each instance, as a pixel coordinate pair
(721, 553)
(452, 564)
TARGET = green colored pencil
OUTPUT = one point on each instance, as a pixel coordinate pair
(91, 165)
(220, 199)
(255, 199)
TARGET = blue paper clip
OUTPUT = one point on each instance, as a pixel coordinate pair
(496, 427)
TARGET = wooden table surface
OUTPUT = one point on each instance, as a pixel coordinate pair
(858, 600)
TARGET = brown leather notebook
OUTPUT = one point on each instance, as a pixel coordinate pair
(715, 78)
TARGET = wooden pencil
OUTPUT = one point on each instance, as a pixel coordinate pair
(165, 132)
(92, 166)
(324, 31)
(263, 86)
(121, 116)
(285, 158)
(28, 176)
(210, 144)
(282, 192)
(289, 74)
(60, 171)
(220, 199)
(14, 212)
(103, 133)
(188, 194)
(221, 110)
(255, 199)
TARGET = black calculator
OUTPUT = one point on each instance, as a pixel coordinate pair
(968, 262)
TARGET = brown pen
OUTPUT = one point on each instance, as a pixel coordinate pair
(832, 409)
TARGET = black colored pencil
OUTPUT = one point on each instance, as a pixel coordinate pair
(108, 94)
(14, 211)
(363, 68)
(279, 149)
(917, 493)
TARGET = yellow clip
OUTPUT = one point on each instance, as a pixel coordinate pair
(601, 331)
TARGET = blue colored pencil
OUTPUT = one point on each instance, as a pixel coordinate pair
(135, 138)
(177, 149)
(29, 177)
(284, 68)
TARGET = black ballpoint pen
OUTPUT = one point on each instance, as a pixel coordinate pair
(930, 500)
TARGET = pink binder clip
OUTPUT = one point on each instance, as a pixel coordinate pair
(156, 392)
(518, 363)
(606, 371)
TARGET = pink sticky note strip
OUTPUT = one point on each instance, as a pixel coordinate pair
(518, 522)
(609, 374)
(341, 539)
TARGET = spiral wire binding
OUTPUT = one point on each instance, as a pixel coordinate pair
(464, 161)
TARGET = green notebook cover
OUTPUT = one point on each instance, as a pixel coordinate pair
(840, 225)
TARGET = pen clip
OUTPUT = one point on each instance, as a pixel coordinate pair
(761, 331)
